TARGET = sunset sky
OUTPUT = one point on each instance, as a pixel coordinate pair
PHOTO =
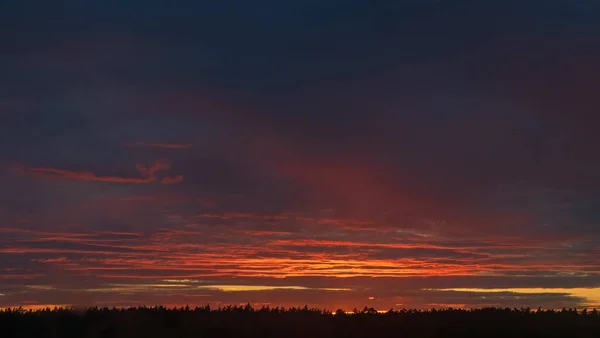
(334, 153)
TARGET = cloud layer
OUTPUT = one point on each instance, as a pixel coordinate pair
(335, 153)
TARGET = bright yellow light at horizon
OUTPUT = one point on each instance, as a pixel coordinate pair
(35, 307)
(239, 288)
(138, 287)
(234, 288)
(591, 295)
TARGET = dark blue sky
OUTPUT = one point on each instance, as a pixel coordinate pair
(342, 149)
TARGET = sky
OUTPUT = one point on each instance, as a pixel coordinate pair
(393, 154)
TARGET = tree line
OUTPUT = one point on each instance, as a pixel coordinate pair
(264, 322)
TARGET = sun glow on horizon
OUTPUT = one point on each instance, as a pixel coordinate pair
(591, 295)
(240, 288)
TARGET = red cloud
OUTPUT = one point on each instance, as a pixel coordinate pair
(171, 180)
(148, 174)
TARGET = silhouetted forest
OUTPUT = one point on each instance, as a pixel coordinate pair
(244, 321)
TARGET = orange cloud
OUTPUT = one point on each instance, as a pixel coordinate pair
(148, 174)
(158, 145)
(172, 254)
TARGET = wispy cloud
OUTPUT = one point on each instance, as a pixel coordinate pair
(157, 145)
(148, 174)
(171, 180)
(241, 288)
(85, 176)
(21, 276)
(592, 295)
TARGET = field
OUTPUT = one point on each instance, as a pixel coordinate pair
(296, 322)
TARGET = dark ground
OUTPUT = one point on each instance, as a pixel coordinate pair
(304, 322)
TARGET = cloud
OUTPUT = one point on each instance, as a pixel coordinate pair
(338, 151)
(158, 145)
(148, 174)
(171, 180)
(591, 296)
(84, 175)
(242, 288)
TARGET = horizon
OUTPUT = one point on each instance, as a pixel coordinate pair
(333, 153)
(262, 307)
